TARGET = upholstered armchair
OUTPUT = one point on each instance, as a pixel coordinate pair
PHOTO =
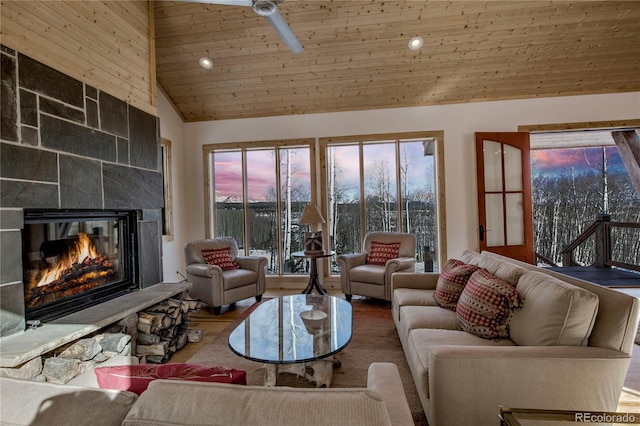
(219, 276)
(369, 273)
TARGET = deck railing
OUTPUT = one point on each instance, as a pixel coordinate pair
(601, 229)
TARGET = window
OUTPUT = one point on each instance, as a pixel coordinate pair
(167, 210)
(257, 193)
(385, 183)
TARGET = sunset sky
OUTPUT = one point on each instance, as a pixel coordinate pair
(261, 169)
(559, 161)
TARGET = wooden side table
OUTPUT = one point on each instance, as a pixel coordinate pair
(314, 281)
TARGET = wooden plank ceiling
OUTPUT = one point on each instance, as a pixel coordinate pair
(356, 55)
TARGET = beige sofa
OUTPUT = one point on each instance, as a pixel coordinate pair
(569, 346)
(172, 402)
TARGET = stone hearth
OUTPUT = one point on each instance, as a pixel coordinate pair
(22, 347)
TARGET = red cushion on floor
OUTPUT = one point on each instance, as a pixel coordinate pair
(136, 378)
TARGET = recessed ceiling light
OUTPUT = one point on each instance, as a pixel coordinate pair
(416, 43)
(205, 63)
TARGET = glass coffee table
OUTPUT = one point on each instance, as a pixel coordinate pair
(295, 333)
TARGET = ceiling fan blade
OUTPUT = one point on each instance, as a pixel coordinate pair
(223, 2)
(267, 9)
(280, 26)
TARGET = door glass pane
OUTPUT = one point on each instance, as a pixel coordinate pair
(515, 219)
(295, 193)
(343, 187)
(227, 175)
(495, 222)
(492, 166)
(262, 218)
(512, 168)
(380, 187)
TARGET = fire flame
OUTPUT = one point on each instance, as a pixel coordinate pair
(83, 249)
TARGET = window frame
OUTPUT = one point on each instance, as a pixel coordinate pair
(439, 171)
(318, 176)
(167, 210)
(243, 147)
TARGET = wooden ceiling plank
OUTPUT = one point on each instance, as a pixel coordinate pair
(82, 17)
(75, 67)
(356, 57)
(76, 36)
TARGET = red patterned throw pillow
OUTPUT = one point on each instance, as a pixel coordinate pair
(486, 305)
(381, 252)
(451, 282)
(136, 378)
(220, 257)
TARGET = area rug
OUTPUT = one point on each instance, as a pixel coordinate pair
(374, 340)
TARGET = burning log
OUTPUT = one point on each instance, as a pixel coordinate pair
(77, 271)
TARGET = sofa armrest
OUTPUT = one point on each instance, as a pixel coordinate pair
(253, 263)
(401, 264)
(546, 377)
(421, 281)
(203, 270)
(385, 378)
(25, 402)
(181, 402)
(351, 260)
(346, 263)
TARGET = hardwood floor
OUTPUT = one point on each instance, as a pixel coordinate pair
(212, 325)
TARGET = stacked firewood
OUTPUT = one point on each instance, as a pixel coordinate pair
(163, 329)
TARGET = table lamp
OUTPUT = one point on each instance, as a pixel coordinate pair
(312, 240)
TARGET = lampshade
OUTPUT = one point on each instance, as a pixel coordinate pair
(311, 215)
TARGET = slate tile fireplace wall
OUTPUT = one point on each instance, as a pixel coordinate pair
(66, 145)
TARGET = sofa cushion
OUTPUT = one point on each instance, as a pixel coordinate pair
(413, 297)
(410, 297)
(472, 257)
(235, 278)
(220, 257)
(504, 270)
(24, 402)
(486, 305)
(554, 312)
(188, 403)
(414, 317)
(372, 274)
(136, 378)
(421, 341)
(381, 252)
(451, 282)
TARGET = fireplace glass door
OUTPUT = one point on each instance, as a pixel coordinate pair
(76, 259)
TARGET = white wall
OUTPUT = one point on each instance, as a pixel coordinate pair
(172, 128)
(458, 121)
